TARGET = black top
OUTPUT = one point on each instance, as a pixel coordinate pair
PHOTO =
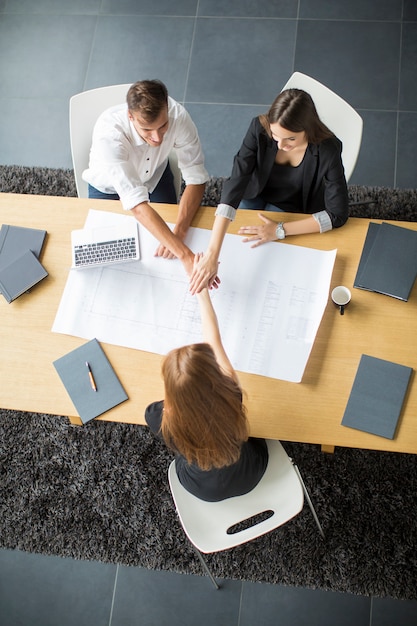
(284, 188)
(324, 183)
(217, 484)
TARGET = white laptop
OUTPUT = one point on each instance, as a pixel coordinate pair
(105, 245)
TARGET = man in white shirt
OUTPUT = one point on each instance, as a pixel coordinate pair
(129, 161)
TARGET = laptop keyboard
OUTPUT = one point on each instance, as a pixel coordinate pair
(115, 251)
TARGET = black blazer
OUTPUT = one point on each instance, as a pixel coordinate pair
(324, 185)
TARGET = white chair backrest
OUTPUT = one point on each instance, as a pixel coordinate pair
(337, 114)
(85, 108)
(206, 523)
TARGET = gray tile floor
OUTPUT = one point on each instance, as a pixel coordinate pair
(226, 61)
(38, 590)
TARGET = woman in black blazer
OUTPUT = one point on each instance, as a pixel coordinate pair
(289, 161)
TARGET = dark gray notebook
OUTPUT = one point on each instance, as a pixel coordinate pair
(21, 275)
(367, 246)
(76, 378)
(377, 396)
(17, 239)
(391, 264)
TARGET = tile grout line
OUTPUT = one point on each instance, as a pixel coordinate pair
(191, 52)
(114, 594)
(239, 615)
(397, 129)
(87, 69)
(297, 21)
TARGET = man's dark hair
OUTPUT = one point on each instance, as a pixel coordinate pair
(148, 98)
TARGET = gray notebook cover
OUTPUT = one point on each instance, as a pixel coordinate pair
(391, 266)
(377, 396)
(73, 372)
(17, 239)
(21, 275)
(367, 246)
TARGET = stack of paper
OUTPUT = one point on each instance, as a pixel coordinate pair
(388, 264)
(20, 268)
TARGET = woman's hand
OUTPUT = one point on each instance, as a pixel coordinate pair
(260, 234)
(204, 273)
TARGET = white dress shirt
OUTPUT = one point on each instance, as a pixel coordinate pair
(122, 162)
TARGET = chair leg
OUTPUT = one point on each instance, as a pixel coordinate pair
(310, 503)
(205, 567)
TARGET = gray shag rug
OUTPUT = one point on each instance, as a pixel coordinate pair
(369, 202)
(100, 491)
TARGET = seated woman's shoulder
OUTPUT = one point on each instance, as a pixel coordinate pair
(332, 144)
(258, 447)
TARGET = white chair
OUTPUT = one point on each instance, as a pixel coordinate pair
(210, 526)
(85, 107)
(336, 113)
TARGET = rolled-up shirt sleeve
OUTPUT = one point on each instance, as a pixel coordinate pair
(122, 162)
(225, 210)
(114, 163)
(323, 220)
(188, 148)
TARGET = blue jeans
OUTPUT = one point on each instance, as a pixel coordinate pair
(164, 192)
(257, 204)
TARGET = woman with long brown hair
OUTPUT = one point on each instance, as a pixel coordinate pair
(289, 161)
(203, 420)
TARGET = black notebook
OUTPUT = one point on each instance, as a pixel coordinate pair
(17, 239)
(21, 275)
(377, 396)
(79, 380)
(389, 261)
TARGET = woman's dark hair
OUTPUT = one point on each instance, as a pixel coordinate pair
(294, 110)
(148, 98)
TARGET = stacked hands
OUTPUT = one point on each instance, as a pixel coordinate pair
(288, 159)
(205, 267)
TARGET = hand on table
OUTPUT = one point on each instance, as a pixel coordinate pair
(164, 252)
(259, 234)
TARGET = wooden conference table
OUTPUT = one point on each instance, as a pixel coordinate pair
(310, 411)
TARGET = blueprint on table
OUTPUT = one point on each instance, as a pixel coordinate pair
(269, 304)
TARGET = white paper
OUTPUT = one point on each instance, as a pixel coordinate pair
(269, 304)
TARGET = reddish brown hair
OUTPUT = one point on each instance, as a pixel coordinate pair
(203, 418)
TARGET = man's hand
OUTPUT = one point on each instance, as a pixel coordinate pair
(187, 208)
(171, 246)
(163, 252)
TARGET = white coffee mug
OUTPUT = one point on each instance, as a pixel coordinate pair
(341, 297)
